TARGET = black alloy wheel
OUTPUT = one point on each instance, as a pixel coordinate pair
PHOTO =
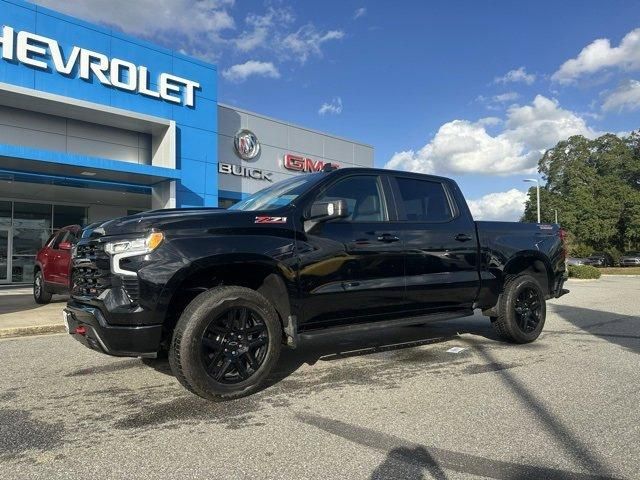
(234, 345)
(226, 343)
(521, 309)
(527, 309)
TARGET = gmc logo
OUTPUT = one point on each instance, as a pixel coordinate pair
(303, 164)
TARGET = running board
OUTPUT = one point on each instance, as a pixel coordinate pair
(379, 325)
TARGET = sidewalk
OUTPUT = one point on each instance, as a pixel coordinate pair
(21, 315)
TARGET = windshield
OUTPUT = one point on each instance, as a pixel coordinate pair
(632, 254)
(279, 194)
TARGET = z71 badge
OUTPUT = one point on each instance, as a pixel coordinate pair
(271, 220)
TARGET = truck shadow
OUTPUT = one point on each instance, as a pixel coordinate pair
(23, 303)
(622, 330)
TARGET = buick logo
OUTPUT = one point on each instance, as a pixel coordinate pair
(247, 145)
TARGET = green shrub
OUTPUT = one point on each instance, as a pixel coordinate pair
(583, 271)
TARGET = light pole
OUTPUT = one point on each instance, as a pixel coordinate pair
(537, 182)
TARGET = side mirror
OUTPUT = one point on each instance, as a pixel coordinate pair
(64, 246)
(322, 211)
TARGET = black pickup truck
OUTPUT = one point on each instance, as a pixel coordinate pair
(221, 291)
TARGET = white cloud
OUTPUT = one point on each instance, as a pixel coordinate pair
(360, 12)
(497, 102)
(272, 32)
(262, 27)
(462, 146)
(599, 55)
(307, 41)
(505, 97)
(239, 73)
(625, 97)
(204, 28)
(334, 108)
(194, 27)
(517, 75)
(505, 206)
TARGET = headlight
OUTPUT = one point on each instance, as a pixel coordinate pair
(137, 246)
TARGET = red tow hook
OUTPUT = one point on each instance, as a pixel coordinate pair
(80, 330)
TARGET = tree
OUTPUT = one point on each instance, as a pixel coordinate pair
(594, 186)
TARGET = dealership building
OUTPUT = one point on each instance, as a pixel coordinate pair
(95, 124)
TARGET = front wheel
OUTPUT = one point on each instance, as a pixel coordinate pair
(522, 310)
(226, 343)
(40, 294)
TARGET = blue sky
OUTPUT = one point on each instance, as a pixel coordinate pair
(469, 89)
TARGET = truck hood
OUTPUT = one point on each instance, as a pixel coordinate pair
(168, 219)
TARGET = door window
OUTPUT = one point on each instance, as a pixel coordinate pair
(363, 196)
(423, 200)
(63, 236)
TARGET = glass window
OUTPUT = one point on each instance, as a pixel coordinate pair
(49, 241)
(4, 253)
(64, 236)
(423, 200)
(32, 215)
(64, 215)
(279, 194)
(27, 241)
(57, 238)
(5, 214)
(363, 196)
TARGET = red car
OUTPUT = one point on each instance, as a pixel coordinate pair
(53, 264)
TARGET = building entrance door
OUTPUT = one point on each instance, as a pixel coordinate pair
(5, 256)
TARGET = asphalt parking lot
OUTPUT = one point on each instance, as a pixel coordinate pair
(385, 405)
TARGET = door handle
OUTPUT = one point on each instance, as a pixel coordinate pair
(387, 238)
(462, 237)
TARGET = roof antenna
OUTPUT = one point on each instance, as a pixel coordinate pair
(327, 167)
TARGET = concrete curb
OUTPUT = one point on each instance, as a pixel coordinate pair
(32, 330)
(620, 275)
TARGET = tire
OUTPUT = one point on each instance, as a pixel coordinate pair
(219, 353)
(40, 294)
(522, 310)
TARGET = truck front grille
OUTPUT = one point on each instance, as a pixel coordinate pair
(91, 274)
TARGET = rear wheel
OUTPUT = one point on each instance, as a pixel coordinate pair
(226, 343)
(522, 310)
(40, 293)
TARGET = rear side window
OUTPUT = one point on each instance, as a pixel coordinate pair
(423, 201)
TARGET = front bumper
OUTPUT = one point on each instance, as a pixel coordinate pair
(120, 341)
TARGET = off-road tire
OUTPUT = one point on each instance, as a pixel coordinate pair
(506, 323)
(40, 294)
(185, 350)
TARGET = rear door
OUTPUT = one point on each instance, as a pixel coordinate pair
(47, 258)
(440, 245)
(352, 267)
(62, 258)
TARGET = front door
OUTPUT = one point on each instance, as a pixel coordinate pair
(4, 255)
(354, 266)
